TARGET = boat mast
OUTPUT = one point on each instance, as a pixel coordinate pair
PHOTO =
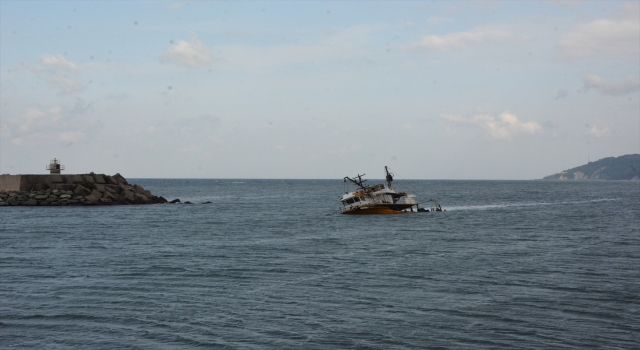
(357, 180)
(389, 177)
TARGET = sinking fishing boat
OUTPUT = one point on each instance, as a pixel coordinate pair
(380, 198)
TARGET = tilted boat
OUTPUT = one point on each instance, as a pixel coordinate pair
(380, 198)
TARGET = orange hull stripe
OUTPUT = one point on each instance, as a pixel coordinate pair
(374, 211)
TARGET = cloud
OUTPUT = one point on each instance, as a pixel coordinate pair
(461, 40)
(176, 6)
(40, 126)
(58, 62)
(191, 54)
(598, 132)
(603, 37)
(59, 74)
(504, 126)
(627, 86)
(153, 129)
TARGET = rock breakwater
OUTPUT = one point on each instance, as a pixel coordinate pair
(89, 189)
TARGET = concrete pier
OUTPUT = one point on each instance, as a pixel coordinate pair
(30, 182)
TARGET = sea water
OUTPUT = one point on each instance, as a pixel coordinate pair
(271, 264)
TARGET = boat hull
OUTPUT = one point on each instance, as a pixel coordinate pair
(367, 210)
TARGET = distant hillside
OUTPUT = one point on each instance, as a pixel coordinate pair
(612, 168)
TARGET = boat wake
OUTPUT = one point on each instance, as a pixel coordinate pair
(525, 204)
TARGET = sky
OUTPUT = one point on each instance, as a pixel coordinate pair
(318, 90)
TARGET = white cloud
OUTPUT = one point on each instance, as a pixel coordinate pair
(629, 85)
(190, 54)
(598, 132)
(42, 126)
(60, 74)
(603, 37)
(504, 126)
(461, 40)
(30, 120)
(176, 6)
(58, 62)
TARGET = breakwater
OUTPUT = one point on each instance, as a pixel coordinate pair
(87, 189)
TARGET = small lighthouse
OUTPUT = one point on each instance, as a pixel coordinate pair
(55, 166)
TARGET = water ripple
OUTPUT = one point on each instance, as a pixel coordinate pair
(511, 264)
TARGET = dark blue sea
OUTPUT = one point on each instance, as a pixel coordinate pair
(270, 264)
